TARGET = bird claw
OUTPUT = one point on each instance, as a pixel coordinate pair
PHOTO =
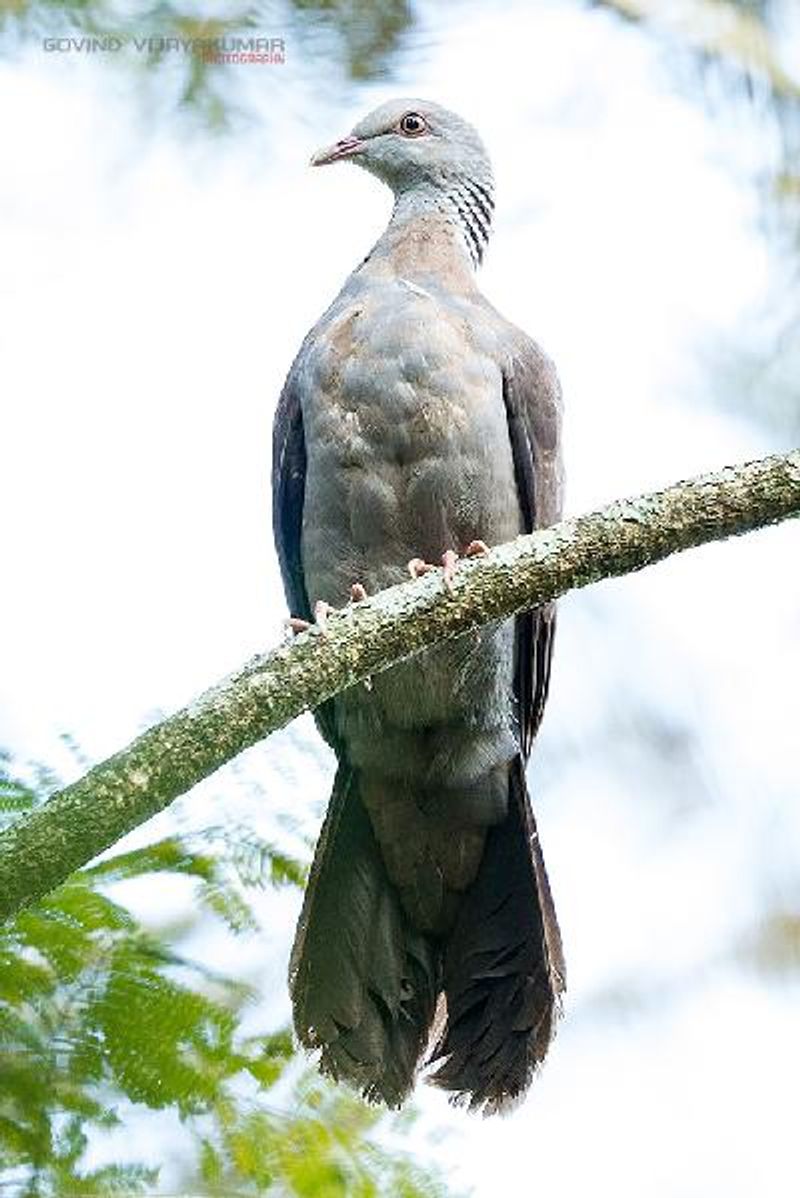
(322, 610)
(449, 563)
(417, 566)
(295, 624)
(358, 592)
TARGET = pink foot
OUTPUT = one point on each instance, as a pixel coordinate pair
(449, 563)
(321, 612)
(417, 566)
(296, 625)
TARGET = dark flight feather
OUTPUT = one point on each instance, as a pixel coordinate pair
(503, 968)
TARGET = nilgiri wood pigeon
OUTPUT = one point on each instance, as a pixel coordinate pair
(416, 423)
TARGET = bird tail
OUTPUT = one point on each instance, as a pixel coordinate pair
(363, 981)
(503, 968)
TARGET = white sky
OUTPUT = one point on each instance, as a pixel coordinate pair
(154, 289)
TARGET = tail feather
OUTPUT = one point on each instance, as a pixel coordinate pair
(503, 968)
(363, 982)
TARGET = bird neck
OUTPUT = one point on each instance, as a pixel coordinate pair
(435, 227)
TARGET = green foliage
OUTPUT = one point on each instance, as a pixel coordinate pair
(742, 35)
(368, 33)
(15, 796)
(773, 946)
(195, 86)
(323, 1148)
(97, 1012)
(361, 35)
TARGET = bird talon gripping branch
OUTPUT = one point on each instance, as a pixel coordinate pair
(296, 624)
(417, 567)
(449, 563)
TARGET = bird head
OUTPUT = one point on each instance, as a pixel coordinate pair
(411, 144)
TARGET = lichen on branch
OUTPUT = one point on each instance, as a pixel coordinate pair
(43, 848)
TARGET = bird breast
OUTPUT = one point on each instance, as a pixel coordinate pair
(409, 452)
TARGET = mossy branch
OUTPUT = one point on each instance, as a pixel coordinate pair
(43, 848)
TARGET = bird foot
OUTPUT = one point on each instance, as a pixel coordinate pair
(322, 610)
(417, 566)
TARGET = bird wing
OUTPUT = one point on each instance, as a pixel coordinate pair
(288, 494)
(532, 397)
(288, 497)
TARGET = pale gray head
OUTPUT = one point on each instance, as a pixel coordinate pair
(430, 157)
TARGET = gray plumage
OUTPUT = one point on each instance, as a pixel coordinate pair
(414, 420)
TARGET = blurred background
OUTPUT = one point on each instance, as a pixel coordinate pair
(164, 249)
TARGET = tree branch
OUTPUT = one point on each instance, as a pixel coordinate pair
(43, 848)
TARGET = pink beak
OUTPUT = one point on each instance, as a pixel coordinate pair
(341, 149)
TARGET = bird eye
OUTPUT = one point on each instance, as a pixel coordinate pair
(412, 124)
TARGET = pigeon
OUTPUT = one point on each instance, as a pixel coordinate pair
(417, 425)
